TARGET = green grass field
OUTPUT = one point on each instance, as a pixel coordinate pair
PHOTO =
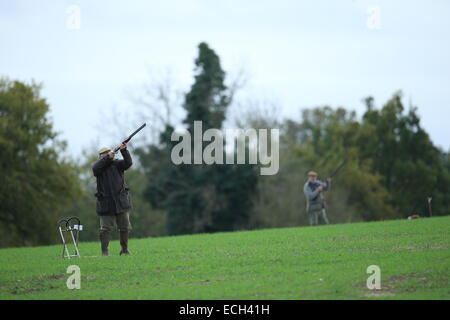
(326, 262)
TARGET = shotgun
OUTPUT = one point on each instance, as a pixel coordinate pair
(131, 136)
(336, 171)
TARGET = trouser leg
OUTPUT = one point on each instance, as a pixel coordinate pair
(324, 216)
(124, 226)
(124, 242)
(106, 225)
(313, 218)
(104, 242)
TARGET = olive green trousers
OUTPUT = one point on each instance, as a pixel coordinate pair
(122, 220)
(315, 215)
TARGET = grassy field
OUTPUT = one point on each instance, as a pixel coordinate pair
(327, 262)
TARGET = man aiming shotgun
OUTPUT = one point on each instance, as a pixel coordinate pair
(113, 198)
(315, 200)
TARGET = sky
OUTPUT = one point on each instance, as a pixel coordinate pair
(90, 54)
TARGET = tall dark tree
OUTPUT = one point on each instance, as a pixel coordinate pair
(200, 197)
(208, 98)
(37, 183)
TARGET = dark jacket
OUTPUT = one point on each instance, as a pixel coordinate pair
(112, 192)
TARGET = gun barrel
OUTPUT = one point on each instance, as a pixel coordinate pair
(131, 136)
(335, 172)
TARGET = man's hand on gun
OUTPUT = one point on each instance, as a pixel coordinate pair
(123, 146)
(321, 187)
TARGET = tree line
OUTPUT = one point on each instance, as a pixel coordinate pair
(392, 168)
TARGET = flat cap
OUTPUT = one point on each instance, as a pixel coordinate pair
(104, 149)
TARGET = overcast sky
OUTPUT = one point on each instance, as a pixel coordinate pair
(299, 53)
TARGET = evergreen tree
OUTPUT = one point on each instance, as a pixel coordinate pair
(200, 197)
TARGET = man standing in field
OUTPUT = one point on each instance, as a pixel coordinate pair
(315, 202)
(113, 198)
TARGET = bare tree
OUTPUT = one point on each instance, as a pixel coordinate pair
(158, 102)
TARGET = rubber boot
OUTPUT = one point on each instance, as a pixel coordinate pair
(104, 241)
(124, 242)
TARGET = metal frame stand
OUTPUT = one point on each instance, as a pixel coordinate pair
(65, 226)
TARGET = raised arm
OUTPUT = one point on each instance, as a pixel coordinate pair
(126, 162)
